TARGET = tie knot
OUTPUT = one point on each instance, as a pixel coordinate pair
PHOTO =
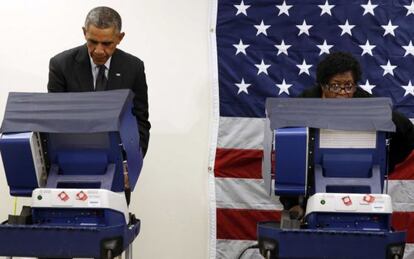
(101, 68)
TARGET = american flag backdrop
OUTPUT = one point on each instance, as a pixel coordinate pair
(270, 48)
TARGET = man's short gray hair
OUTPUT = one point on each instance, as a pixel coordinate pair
(103, 17)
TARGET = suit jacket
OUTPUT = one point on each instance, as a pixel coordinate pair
(70, 71)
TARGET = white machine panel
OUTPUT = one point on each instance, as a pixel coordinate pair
(349, 203)
(347, 139)
(80, 198)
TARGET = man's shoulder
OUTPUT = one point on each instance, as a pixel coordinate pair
(127, 57)
(69, 54)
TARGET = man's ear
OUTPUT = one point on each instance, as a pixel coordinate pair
(120, 36)
(84, 31)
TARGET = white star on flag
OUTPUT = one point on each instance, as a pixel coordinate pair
(369, 8)
(409, 49)
(304, 28)
(346, 28)
(284, 8)
(282, 48)
(241, 48)
(326, 8)
(367, 87)
(283, 88)
(324, 48)
(410, 8)
(261, 28)
(241, 8)
(367, 48)
(262, 67)
(388, 68)
(409, 89)
(304, 68)
(389, 28)
(243, 87)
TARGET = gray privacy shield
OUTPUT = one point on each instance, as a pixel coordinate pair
(362, 114)
(86, 112)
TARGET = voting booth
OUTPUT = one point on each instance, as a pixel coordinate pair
(331, 156)
(70, 153)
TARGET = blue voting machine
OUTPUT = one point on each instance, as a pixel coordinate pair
(70, 153)
(330, 155)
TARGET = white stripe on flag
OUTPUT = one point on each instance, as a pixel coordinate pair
(244, 194)
(402, 194)
(409, 251)
(241, 133)
(250, 194)
(231, 249)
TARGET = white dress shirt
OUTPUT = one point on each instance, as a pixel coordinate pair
(95, 69)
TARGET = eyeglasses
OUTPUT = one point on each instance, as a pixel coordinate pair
(337, 88)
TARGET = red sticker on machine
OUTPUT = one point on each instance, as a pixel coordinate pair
(369, 198)
(347, 200)
(81, 196)
(63, 196)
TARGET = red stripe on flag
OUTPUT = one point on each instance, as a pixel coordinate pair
(238, 163)
(247, 163)
(404, 170)
(241, 224)
(404, 221)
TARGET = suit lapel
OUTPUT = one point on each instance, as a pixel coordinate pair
(83, 70)
(115, 72)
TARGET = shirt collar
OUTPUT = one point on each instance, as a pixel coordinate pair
(94, 66)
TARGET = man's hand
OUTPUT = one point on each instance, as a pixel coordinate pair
(296, 212)
(127, 187)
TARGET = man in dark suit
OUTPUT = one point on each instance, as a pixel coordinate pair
(98, 65)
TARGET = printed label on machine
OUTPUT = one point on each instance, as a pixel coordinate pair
(378, 206)
(94, 199)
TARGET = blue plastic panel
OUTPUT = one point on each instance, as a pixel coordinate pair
(330, 244)
(130, 141)
(62, 242)
(349, 221)
(77, 217)
(87, 159)
(18, 163)
(360, 170)
(291, 161)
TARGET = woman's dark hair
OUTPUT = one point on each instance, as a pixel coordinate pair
(337, 63)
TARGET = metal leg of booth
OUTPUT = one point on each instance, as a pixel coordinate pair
(128, 252)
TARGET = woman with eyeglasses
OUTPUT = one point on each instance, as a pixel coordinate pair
(337, 76)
